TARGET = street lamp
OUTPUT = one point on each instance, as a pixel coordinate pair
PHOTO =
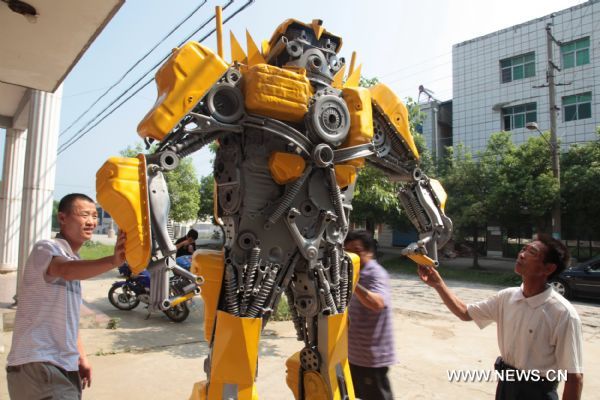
(556, 224)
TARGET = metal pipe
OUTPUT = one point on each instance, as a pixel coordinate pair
(219, 21)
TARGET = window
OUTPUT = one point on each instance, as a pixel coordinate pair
(577, 106)
(575, 53)
(517, 116)
(519, 67)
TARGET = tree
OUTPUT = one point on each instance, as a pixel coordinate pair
(467, 184)
(206, 191)
(580, 174)
(182, 183)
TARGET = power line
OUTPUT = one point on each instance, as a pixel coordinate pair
(177, 26)
(83, 131)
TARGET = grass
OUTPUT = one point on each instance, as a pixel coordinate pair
(93, 250)
(500, 278)
(283, 311)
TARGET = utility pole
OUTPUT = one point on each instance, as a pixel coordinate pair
(556, 216)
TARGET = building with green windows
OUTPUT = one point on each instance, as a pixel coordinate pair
(500, 79)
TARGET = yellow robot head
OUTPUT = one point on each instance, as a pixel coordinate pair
(308, 46)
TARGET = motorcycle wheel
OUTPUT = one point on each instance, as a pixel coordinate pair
(179, 313)
(123, 298)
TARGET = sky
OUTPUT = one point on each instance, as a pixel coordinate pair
(403, 43)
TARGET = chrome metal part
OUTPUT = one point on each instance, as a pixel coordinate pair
(310, 359)
(290, 194)
(328, 118)
(225, 102)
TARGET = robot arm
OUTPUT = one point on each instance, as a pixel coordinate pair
(423, 198)
(392, 149)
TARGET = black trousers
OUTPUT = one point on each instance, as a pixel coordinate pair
(523, 390)
(371, 383)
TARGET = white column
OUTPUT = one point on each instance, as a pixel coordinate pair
(10, 198)
(40, 169)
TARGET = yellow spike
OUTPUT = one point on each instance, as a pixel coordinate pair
(352, 61)
(317, 26)
(237, 53)
(354, 78)
(254, 56)
(265, 47)
(338, 78)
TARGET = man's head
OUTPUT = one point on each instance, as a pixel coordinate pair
(361, 243)
(78, 217)
(192, 234)
(544, 258)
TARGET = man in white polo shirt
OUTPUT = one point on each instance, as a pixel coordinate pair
(538, 330)
(47, 360)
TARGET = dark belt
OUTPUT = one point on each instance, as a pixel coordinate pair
(13, 368)
(543, 383)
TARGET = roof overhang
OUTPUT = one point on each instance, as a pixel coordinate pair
(38, 52)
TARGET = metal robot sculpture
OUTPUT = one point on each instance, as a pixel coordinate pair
(291, 137)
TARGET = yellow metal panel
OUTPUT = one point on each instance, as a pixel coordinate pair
(292, 374)
(121, 191)
(199, 391)
(338, 78)
(345, 174)
(440, 193)
(286, 167)
(234, 355)
(277, 93)
(333, 347)
(209, 264)
(396, 113)
(358, 100)
(422, 260)
(237, 52)
(181, 82)
(315, 387)
(354, 78)
(254, 55)
(356, 268)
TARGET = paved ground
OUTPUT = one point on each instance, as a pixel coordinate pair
(155, 358)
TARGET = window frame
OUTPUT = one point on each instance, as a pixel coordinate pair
(582, 102)
(574, 52)
(522, 65)
(526, 111)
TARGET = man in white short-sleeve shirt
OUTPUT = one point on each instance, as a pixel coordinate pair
(47, 359)
(539, 331)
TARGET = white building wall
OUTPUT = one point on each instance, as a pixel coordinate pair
(479, 95)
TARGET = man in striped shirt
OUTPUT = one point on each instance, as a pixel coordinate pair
(47, 359)
(370, 334)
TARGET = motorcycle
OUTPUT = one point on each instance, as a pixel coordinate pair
(127, 295)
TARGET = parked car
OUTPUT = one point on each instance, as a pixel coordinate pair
(582, 280)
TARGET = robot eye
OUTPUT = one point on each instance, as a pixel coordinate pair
(315, 63)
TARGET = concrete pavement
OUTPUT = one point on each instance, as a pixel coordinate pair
(158, 359)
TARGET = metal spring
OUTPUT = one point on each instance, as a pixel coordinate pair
(344, 285)
(233, 306)
(250, 276)
(197, 144)
(336, 199)
(289, 196)
(296, 319)
(414, 211)
(265, 291)
(334, 273)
